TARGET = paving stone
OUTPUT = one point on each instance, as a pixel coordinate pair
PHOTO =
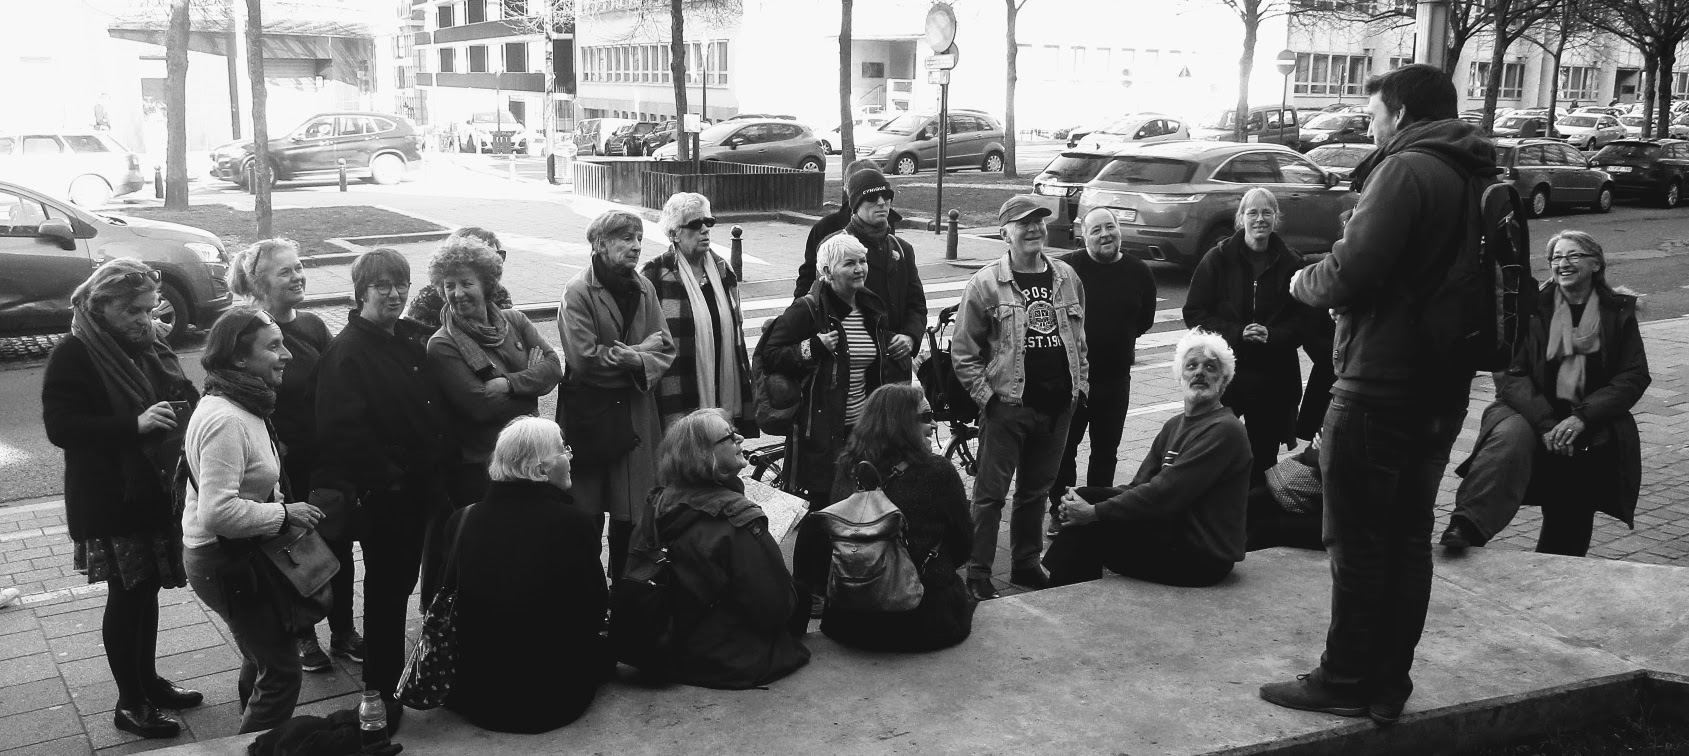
(75, 745)
(103, 734)
(26, 669)
(199, 663)
(31, 696)
(71, 623)
(16, 620)
(39, 726)
(24, 643)
(209, 722)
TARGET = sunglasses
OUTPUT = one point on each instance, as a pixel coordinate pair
(136, 278)
(878, 196)
(699, 224)
(925, 417)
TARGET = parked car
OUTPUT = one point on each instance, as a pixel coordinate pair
(1558, 112)
(1550, 173)
(909, 142)
(1177, 200)
(1656, 169)
(758, 142)
(659, 136)
(1138, 127)
(482, 130)
(591, 134)
(861, 124)
(1589, 132)
(1632, 125)
(1266, 124)
(1067, 174)
(1520, 126)
(1336, 128)
(85, 167)
(760, 117)
(1599, 110)
(1340, 159)
(48, 247)
(380, 143)
(1679, 128)
(630, 139)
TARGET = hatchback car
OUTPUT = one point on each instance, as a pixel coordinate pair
(1632, 125)
(1550, 173)
(1336, 128)
(659, 136)
(382, 144)
(1589, 132)
(1656, 169)
(1520, 126)
(630, 139)
(768, 142)
(1177, 200)
(1138, 127)
(908, 143)
(1068, 173)
(1340, 159)
(87, 168)
(591, 134)
(862, 124)
(48, 248)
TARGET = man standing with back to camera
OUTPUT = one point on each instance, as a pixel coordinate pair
(1398, 403)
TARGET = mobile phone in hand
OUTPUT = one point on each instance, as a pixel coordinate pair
(180, 408)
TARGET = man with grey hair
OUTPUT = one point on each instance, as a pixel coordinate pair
(1181, 520)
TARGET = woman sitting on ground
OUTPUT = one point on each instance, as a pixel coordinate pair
(895, 435)
(1560, 434)
(718, 542)
(530, 591)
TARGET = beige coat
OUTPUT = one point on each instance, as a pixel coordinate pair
(589, 322)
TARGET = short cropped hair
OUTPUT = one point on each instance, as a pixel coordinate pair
(112, 282)
(524, 450)
(374, 265)
(243, 278)
(468, 254)
(687, 453)
(232, 336)
(681, 209)
(612, 223)
(834, 248)
(1423, 92)
(1254, 192)
(1210, 342)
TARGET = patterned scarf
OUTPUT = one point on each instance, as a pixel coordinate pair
(1570, 344)
(714, 343)
(474, 340)
(134, 379)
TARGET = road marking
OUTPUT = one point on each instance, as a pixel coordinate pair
(76, 591)
(1154, 408)
(18, 535)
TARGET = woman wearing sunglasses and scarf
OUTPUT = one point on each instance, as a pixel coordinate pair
(699, 294)
(114, 398)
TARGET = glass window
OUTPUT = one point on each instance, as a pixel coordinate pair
(318, 128)
(1147, 170)
(443, 17)
(516, 57)
(478, 59)
(1250, 168)
(448, 60)
(20, 216)
(1076, 167)
(84, 143)
(474, 11)
(1532, 155)
(721, 63)
(6, 145)
(1571, 156)
(41, 145)
(1295, 169)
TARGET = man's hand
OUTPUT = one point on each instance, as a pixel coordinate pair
(157, 417)
(1255, 332)
(1559, 440)
(900, 347)
(1077, 511)
(1293, 278)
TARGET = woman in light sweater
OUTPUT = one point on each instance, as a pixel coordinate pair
(238, 493)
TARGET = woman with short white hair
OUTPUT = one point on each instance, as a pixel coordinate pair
(530, 593)
(699, 294)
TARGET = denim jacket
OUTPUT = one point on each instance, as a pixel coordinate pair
(988, 346)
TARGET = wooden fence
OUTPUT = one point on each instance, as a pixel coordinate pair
(613, 179)
(733, 187)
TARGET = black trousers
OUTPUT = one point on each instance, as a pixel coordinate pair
(1269, 420)
(1103, 411)
(1152, 551)
(298, 467)
(1570, 490)
(398, 524)
(129, 630)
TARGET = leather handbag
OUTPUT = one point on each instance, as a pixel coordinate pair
(597, 422)
(303, 558)
(426, 680)
(871, 567)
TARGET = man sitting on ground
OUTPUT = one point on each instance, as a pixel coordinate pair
(1181, 520)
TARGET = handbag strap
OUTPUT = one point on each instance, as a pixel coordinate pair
(449, 577)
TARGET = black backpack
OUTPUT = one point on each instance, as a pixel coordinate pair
(644, 632)
(1479, 312)
(775, 397)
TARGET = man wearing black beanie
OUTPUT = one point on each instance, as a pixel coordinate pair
(832, 224)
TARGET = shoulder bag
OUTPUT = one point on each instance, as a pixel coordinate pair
(597, 421)
(427, 677)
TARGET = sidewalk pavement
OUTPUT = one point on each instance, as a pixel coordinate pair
(56, 693)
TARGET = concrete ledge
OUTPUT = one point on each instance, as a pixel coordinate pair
(357, 245)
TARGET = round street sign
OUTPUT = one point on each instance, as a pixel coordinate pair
(1286, 62)
(941, 27)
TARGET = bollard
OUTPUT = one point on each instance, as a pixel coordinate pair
(158, 181)
(512, 164)
(551, 168)
(343, 174)
(950, 242)
(737, 257)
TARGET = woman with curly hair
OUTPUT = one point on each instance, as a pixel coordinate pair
(115, 399)
(426, 307)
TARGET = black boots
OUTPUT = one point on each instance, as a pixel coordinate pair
(146, 721)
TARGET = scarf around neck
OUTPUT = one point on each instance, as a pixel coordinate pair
(715, 363)
(874, 237)
(1571, 344)
(244, 389)
(134, 379)
(473, 340)
(623, 287)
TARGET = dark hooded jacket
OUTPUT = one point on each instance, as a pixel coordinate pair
(1393, 251)
(736, 591)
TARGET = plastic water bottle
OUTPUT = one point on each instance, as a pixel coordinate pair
(372, 719)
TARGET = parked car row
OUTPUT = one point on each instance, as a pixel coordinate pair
(759, 142)
(380, 146)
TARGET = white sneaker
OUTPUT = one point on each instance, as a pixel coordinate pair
(8, 596)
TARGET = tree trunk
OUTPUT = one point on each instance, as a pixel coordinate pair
(1498, 65)
(260, 111)
(677, 71)
(1649, 62)
(1012, 68)
(176, 107)
(1662, 85)
(1457, 45)
(847, 123)
(1245, 68)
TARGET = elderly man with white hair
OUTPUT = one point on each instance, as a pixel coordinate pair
(1181, 520)
(699, 294)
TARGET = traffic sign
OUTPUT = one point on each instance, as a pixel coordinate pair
(944, 61)
(941, 27)
(940, 76)
(1286, 62)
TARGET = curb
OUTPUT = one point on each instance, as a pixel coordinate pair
(357, 245)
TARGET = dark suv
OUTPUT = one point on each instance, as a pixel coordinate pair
(630, 139)
(1654, 168)
(379, 145)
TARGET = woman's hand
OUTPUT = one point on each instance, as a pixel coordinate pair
(625, 356)
(157, 417)
(1560, 439)
(302, 514)
(499, 385)
(829, 339)
(1077, 511)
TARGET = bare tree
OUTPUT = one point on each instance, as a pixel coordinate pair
(176, 106)
(1565, 31)
(1510, 20)
(647, 14)
(260, 112)
(547, 18)
(1656, 28)
(1013, 67)
(847, 123)
(677, 71)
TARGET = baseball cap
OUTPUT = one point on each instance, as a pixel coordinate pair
(1021, 207)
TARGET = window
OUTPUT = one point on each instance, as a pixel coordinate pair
(1532, 155)
(478, 59)
(1077, 71)
(1251, 168)
(1328, 74)
(448, 60)
(22, 217)
(474, 11)
(84, 143)
(1100, 68)
(719, 71)
(1398, 62)
(1680, 84)
(443, 17)
(41, 145)
(668, 65)
(1295, 169)
(1512, 80)
(516, 57)
(6, 145)
(1578, 83)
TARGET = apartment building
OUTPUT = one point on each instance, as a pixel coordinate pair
(482, 56)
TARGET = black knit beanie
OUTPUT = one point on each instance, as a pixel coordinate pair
(864, 182)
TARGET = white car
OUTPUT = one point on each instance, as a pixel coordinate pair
(86, 167)
(1589, 132)
(1137, 127)
(1632, 125)
(833, 139)
(480, 129)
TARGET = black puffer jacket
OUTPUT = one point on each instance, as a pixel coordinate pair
(1225, 296)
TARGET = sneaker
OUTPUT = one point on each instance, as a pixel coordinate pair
(1384, 714)
(981, 588)
(8, 595)
(1030, 577)
(311, 656)
(1306, 693)
(1460, 535)
(348, 645)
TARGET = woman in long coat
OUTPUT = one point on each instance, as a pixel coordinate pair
(613, 338)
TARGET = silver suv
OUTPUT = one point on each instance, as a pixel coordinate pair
(909, 142)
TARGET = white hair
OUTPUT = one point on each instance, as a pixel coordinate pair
(834, 248)
(525, 449)
(1210, 342)
(681, 209)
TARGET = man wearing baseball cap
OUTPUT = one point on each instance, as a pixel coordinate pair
(1025, 371)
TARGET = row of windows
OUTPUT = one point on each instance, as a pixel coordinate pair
(1078, 63)
(1512, 80)
(1337, 73)
(1578, 83)
(474, 59)
(476, 11)
(651, 64)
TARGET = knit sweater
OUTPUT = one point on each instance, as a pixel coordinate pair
(238, 475)
(1196, 472)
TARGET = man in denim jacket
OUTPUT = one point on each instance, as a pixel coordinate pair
(1019, 348)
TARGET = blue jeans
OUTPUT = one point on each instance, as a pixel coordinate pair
(1381, 467)
(269, 672)
(1015, 438)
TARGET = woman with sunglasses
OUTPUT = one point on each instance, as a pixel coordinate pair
(1560, 434)
(895, 436)
(115, 399)
(699, 294)
(269, 275)
(236, 495)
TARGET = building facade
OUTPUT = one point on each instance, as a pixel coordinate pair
(464, 57)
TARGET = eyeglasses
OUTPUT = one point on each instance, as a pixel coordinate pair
(1570, 257)
(699, 224)
(568, 452)
(731, 436)
(135, 279)
(387, 287)
(924, 417)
